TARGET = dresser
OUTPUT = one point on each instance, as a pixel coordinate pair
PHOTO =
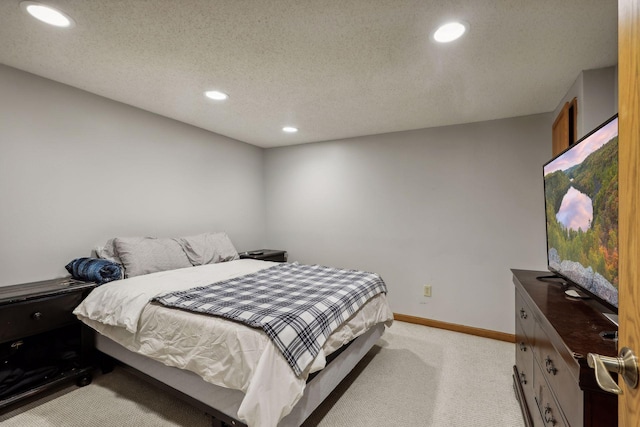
(554, 334)
(42, 344)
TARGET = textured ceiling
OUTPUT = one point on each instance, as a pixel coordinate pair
(333, 68)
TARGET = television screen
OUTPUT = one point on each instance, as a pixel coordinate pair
(581, 206)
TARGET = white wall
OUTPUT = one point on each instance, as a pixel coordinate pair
(600, 89)
(77, 169)
(597, 94)
(455, 207)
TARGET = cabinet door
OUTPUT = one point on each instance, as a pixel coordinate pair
(565, 127)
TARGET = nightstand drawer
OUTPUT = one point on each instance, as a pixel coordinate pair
(38, 315)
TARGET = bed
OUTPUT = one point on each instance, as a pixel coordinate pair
(235, 372)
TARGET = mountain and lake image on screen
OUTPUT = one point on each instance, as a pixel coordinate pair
(581, 207)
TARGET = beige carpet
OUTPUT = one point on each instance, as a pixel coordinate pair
(415, 376)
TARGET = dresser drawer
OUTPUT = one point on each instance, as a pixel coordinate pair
(524, 362)
(556, 373)
(524, 315)
(547, 406)
(38, 315)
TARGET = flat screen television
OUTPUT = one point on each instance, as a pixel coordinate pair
(581, 209)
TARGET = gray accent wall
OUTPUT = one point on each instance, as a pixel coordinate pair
(77, 169)
(452, 207)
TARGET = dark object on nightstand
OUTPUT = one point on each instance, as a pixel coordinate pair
(266, 255)
(42, 344)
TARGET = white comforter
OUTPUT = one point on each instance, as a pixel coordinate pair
(222, 352)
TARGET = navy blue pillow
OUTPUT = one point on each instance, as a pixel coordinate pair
(94, 270)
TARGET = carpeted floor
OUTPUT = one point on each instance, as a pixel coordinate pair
(414, 376)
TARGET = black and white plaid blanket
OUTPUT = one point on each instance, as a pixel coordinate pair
(298, 306)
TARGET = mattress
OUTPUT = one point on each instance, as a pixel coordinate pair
(222, 352)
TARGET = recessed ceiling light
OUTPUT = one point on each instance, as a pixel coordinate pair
(450, 31)
(216, 94)
(47, 14)
(289, 129)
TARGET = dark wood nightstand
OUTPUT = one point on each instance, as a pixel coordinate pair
(42, 344)
(265, 255)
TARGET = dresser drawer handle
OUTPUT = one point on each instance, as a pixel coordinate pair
(549, 365)
(523, 346)
(523, 314)
(36, 316)
(523, 378)
(548, 415)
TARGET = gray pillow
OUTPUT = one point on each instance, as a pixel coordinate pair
(144, 255)
(208, 248)
(108, 252)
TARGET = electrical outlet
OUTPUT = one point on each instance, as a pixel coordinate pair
(427, 290)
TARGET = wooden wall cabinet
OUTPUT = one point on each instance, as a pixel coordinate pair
(565, 127)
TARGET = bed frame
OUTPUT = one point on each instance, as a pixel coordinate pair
(222, 403)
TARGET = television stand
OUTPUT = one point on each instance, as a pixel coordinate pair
(554, 334)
